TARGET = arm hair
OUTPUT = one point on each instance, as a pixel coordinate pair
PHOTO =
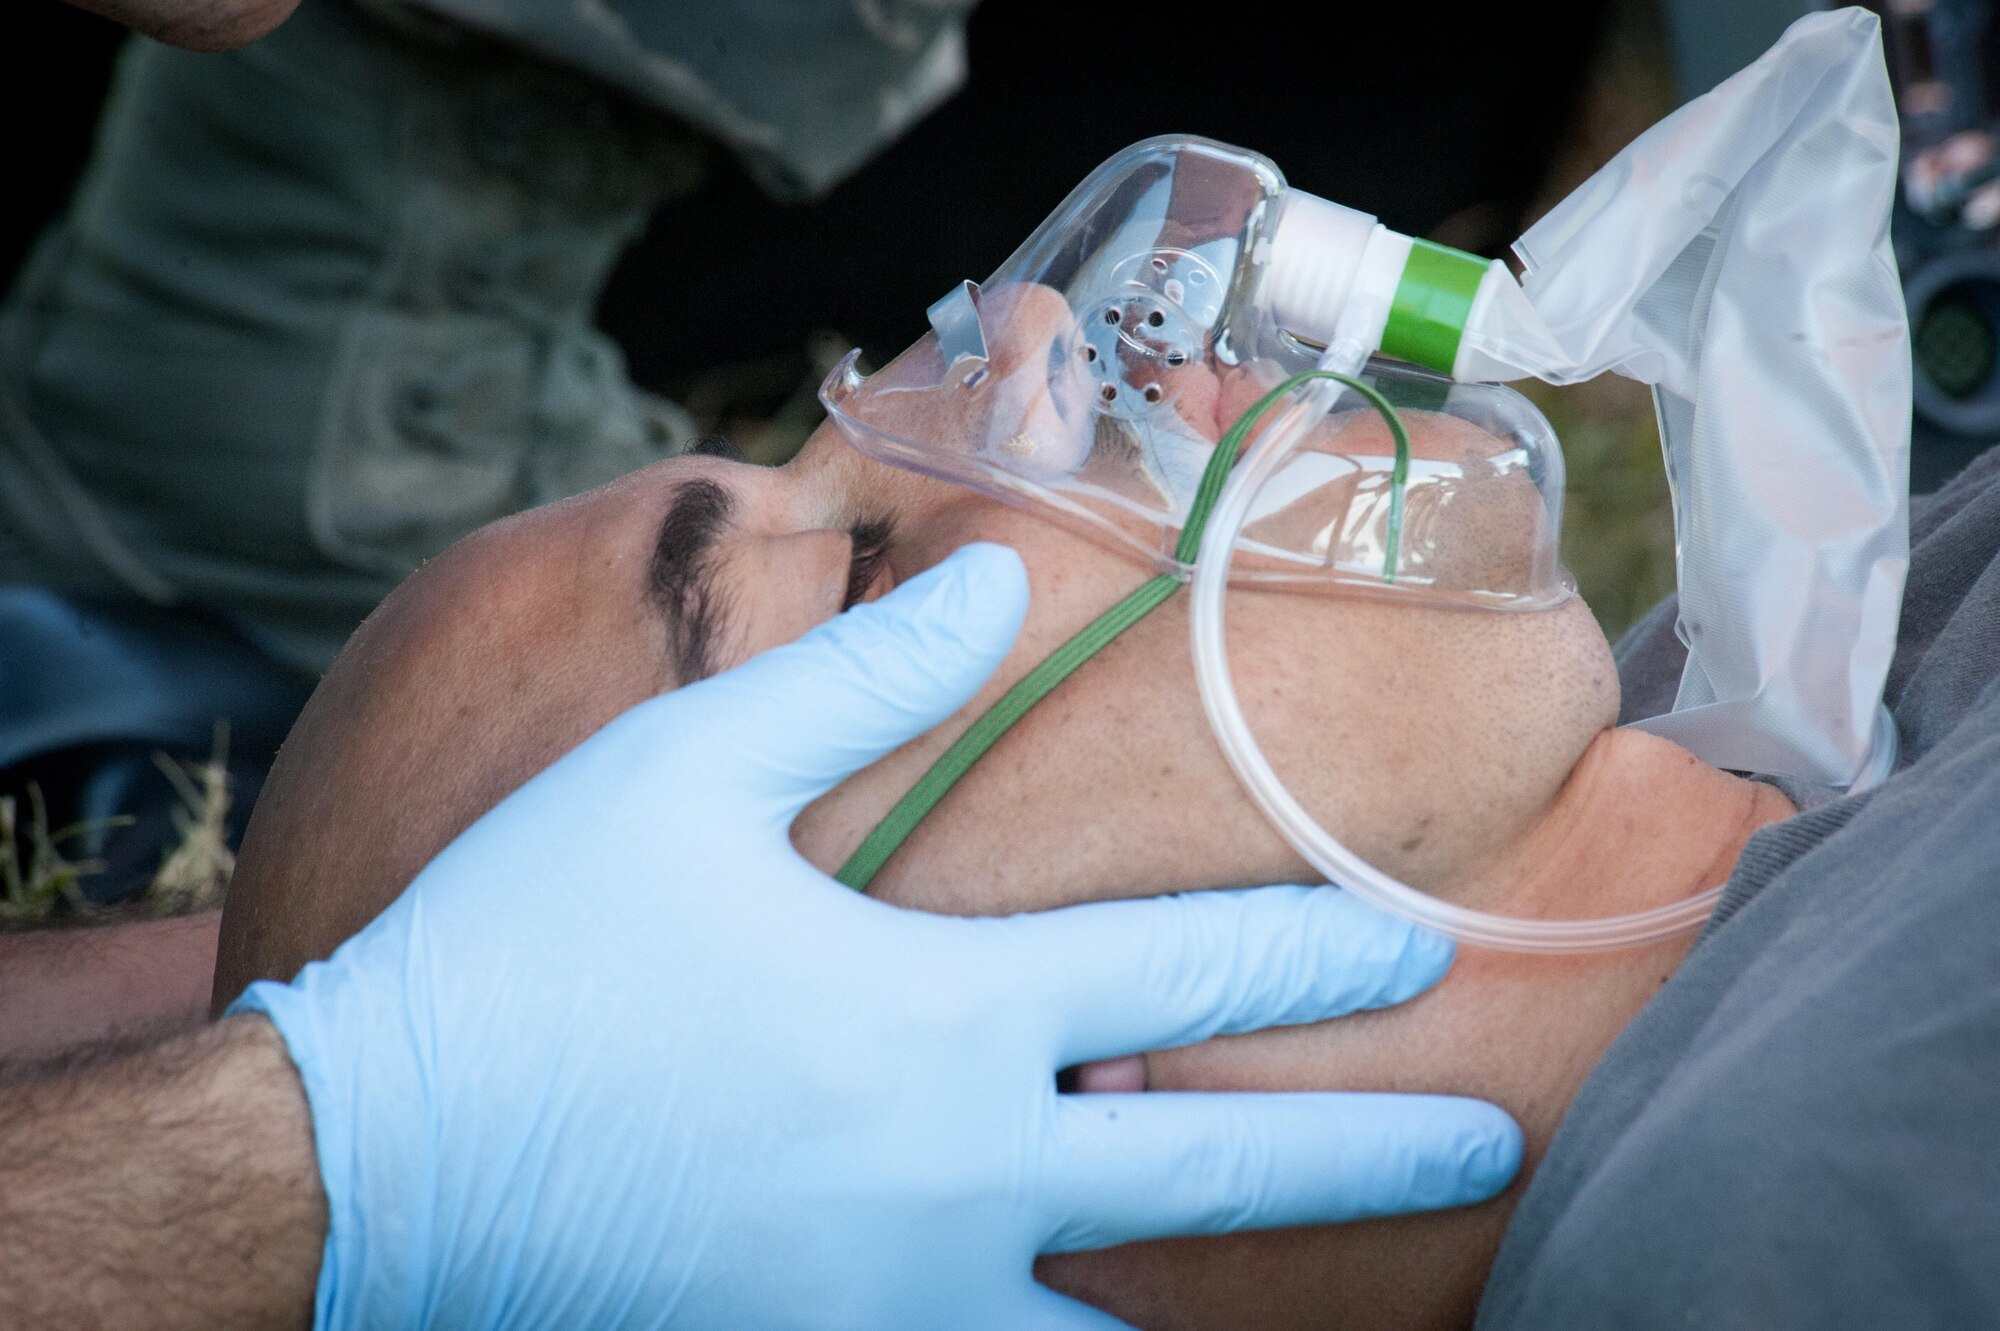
(170, 1186)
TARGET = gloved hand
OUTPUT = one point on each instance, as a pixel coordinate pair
(619, 1057)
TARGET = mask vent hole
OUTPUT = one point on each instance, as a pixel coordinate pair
(1176, 359)
(1156, 319)
(1152, 392)
(1090, 353)
(1108, 393)
(1159, 265)
(1111, 316)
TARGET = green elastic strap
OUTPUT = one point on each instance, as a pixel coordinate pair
(1433, 300)
(954, 762)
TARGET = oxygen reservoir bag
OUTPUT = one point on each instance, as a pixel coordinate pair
(1736, 257)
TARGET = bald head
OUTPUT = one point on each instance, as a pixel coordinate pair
(492, 661)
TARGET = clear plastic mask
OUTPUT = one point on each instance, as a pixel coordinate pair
(1090, 377)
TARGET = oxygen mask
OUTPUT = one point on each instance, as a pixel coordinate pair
(1238, 382)
(1091, 376)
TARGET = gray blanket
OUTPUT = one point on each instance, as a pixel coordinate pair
(1803, 1128)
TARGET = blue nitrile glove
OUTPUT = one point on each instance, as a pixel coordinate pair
(619, 1057)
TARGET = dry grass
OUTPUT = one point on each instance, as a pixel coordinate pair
(195, 874)
(1618, 522)
(41, 885)
(768, 406)
(38, 880)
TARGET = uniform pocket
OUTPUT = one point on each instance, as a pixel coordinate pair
(438, 423)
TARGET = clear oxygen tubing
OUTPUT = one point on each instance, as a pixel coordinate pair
(1321, 849)
(1772, 325)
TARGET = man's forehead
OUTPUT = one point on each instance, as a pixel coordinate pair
(535, 594)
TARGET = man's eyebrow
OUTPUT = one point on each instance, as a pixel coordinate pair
(681, 578)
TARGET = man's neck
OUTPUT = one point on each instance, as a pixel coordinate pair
(1641, 822)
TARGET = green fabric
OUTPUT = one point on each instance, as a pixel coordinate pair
(1432, 303)
(320, 307)
(804, 91)
(895, 828)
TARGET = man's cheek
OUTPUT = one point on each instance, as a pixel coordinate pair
(780, 588)
(1134, 1283)
(1197, 396)
(1237, 392)
(1210, 402)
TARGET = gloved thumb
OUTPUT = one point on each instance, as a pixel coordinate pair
(798, 719)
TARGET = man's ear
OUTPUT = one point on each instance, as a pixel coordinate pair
(198, 25)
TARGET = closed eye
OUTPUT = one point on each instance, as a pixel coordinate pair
(870, 552)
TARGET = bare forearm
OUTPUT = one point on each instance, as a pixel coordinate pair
(61, 988)
(172, 1187)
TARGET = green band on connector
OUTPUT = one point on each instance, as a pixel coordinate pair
(1433, 301)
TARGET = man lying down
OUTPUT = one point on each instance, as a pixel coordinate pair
(1472, 753)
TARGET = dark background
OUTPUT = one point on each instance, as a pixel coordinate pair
(1428, 116)
(1450, 122)
(1414, 112)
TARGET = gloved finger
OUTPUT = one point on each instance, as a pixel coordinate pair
(799, 718)
(1040, 1308)
(1123, 977)
(1129, 1167)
